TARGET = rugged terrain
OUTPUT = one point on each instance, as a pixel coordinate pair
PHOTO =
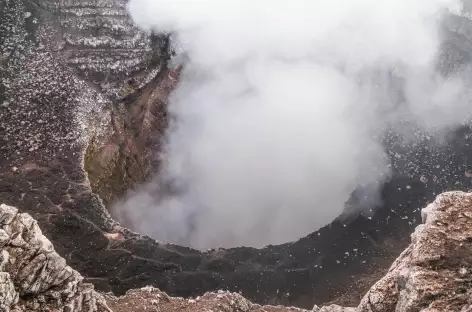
(432, 274)
(82, 107)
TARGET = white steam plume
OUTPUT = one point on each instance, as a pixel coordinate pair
(278, 110)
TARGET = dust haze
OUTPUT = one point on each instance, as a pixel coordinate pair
(280, 110)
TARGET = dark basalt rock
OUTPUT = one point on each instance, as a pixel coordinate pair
(81, 87)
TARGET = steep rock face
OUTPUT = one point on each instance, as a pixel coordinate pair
(126, 65)
(82, 88)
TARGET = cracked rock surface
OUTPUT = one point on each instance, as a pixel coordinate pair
(33, 276)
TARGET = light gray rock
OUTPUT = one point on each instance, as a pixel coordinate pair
(34, 275)
(433, 273)
(8, 295)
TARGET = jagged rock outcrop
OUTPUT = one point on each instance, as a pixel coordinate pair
(82, 105)
(33, 276)
(434, 273)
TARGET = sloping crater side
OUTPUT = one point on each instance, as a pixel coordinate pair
(432, 274)
(68, 104)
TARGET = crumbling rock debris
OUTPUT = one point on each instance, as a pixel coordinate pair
(149, 299)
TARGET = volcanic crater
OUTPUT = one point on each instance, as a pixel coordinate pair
(83, 115)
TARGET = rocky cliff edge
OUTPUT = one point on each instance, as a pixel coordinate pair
(432, 275)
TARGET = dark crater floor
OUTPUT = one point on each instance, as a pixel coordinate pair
(67, 103)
